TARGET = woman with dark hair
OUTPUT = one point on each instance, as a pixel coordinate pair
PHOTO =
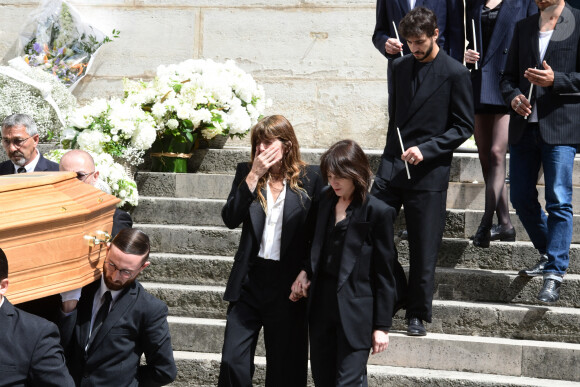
(494, 22)
(274, 198)
(351, 269)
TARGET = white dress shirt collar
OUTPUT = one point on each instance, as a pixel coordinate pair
(272, 234)
(31, 165)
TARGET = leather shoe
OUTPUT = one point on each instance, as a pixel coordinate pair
(482, 236)
(550, 291)
(416, 327)
(536, 270)
(498, 234)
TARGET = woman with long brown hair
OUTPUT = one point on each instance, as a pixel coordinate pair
(274, 198)
(352, 275)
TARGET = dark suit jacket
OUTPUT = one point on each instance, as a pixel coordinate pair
(30, 352)
(121, 220)
(492, 63)
(394, 10)
(558, 109)
(437, 119)
(136, 324)
(366, 287)
(7, 168)
(297, 228)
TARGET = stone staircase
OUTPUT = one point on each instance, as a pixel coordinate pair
(488, 329)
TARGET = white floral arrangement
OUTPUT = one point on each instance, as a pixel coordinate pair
(200, 96)
(113, 177)
(26, 90)
(112, 126)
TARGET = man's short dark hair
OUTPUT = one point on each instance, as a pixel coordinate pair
(417, 22)
(132, 241)
(3, 265)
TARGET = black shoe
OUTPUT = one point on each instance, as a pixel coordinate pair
(415, 327)
(537, 270)
(550, 291)
(498, 234)
(482, 236)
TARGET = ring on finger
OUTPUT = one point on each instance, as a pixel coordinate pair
(412, 159)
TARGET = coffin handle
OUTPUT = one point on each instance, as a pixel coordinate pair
(102, 237)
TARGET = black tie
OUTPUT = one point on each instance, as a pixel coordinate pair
(21, 170)
(101, 314)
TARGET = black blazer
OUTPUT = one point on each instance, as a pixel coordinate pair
(369, 271)
(136, 325)
(388, 11)
(558, 106)
(242, 206)
(7, 168)
(492, 63)
(30, 352)
(121, 220)
(437, 119)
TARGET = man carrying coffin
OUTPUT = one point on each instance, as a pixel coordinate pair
(115, 321)
(30, 352)
(20, 139)
(433, 110)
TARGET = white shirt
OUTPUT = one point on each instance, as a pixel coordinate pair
(98, 300)
(1, 302)
(412, 4)
(31, 165)
(272, 234)
(543, 41)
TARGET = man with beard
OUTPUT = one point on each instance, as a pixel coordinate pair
(433, 108)
(115, 321)
(544, 63)
(20, 139)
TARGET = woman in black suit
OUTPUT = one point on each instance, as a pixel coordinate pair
(352, 289)
(494, 22)
(274, 198)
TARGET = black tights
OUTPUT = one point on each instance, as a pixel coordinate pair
(491, 136)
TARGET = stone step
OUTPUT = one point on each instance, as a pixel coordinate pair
(454, 252)
(202, 369)
(465, 167)
(206, 186)
(486, 306)
(435, 351)
(207, 212)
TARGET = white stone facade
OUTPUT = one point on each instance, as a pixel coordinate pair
(315, 58)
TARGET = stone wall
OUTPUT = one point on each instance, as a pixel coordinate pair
(315, 58)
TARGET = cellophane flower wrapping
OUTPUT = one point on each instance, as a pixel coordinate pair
(58, 40)
(19, 97)
(114, 178)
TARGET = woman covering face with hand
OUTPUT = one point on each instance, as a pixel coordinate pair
(352, 269)
(274, 197)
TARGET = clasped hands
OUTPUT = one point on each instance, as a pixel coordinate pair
(299, 289)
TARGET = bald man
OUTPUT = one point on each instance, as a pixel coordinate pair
(83, 164)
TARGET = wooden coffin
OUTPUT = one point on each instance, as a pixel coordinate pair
(48, 225)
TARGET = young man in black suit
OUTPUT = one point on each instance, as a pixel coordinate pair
(20, 139)
(432, 105)
(30, 352)
(116, 321)
(543, 131)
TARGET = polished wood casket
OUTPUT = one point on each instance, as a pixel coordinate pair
(52, 230)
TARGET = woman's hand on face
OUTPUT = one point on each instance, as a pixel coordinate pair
(380, 341)
(263, 161)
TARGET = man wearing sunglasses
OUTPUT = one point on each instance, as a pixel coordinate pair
(116, 321)
(83, 164)
(19, 140)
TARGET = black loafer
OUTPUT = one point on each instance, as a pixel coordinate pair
(550, 291)
(416, 327)
(498, 234)
(536, 270)
(482, 236)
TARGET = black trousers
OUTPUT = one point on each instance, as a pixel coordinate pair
(333, 361)
(425, 213)
(264, 303)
